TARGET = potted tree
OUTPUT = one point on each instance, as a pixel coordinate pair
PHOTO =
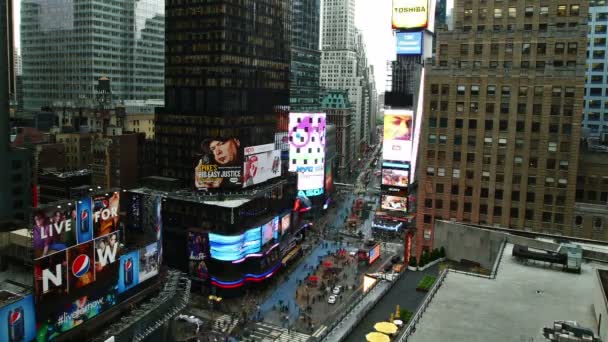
(413, 265)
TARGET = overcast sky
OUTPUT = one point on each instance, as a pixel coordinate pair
(373, 18)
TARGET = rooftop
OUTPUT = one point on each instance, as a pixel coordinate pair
(516, 306)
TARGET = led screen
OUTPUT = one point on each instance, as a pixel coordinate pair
(261, 167)
(106, 213)
(270, 230)
(285, 223)
(398, 129)
(128, 276)
(311, 181)
(394, 203)
(107, 254)
(230, 248)
(410, 14)
(148, 261)
(397, 178)
(374, 254)
(219, 164)
(84, 220)
(18, 318)
(368, 282)
(54, 229)
(198, 245)
(409, 43)
(306, 142)
(329, 178)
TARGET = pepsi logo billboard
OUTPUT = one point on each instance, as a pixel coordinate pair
(128, 275)
(80, 259)
(54, 229)
(18, 318)
(106, 209)
(81, 265)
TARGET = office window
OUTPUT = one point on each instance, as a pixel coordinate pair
(491, 90)
(497, 13)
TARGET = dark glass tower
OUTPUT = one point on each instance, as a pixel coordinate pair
(227, 67)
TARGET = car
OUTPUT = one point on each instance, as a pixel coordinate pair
(337, 290)
(331, 299)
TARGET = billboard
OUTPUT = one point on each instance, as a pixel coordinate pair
(128, 276)
(395, 177)
(236, 247)
(329, 178)
(312, 181)
(270, 230)
(394, 203)
(219, 164)
(81, 271)
(374, 254)
(409, 43)
(106, 213)
(285, 223)
(198, 245)
(107, 251)
(397, 140)
(18, 318)
(54, 229)
(410, 14)
(306, 142)
(84, 220)
(149, 258)
(260, 167)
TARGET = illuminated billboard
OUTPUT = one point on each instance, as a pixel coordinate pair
(106, 214)
(219, 164)
(394, 203)
(374, 254)
(409, 43)
(397, 140)
(18, 318)
(107, 251)
(270, 230)
(231, 248)
(396, 178)
(410, 14)
(368, 282)
(81, 271)
(285, 223)
(314, 181)
(149, 261)
(261, 164)
(84, 220)
(306, 142)
(198, 245)
(128, 276)
(329, 178)
(54, 229)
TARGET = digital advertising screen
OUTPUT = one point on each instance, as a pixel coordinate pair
(54, 229)
(394, 203)
(285, 223)
(306, 142)
(84, 220)
(410, 14)
(312, 181)
(397, 140)
(374, 254)
(270, 230)
(409, 43)
(395, 177)
(198, 270)
(198, 245)
(261, 167)
(81, 271)
(231, 248)
(50, 277)
(19, 319)
(148, 261)
(368, 282)
(329, 178)
(128, 276)
(107, 255)
(64, 318)
(219, 164)
(106, 213)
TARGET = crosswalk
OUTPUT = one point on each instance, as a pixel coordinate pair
(264, 332)
(224, 323)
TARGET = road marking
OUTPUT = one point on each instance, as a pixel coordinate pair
(319, 331)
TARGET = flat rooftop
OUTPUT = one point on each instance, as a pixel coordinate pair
(516, 306)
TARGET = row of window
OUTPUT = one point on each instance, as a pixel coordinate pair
(502, 142)
(499, 177)
(511, 12)
(503, 126)
(559, 48)
(491, 90)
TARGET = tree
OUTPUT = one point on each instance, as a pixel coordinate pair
(413, 261)
(442, 252)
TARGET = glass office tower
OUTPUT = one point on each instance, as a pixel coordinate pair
(67, 45)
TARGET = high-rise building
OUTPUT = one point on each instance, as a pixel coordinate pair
(336, 105)
(68, 46)
(339, 58)
(305, 55)
(502, 112)
(595, 119)
(226, 71)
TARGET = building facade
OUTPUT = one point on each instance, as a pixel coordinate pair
(226, 72)
(305, 55)
(502, 111)
(67, 47)
(339, 113)
(595, 119)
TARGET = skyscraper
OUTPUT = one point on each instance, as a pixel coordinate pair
(227, 68)
(595, 120)
(68, 46)
(339, 59)
(503, 106)
(305, 55)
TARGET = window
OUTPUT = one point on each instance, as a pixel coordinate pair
(464, 49)
(561, 11)
(439, 188)
(572, 48)
(544, 11)
(458, 123)
(498, 13)
(563, 165)
(432, 138)
(525, 48)
(497, 211)
(475, 90)
(559, 48)
(485, 176)
(443, 139)
(478, 49)
(460, 90)
(456, 173)
(472, 123)
(574, 10)
(427, 219)
(505, 91)
(481, 13)
(489, 108)
(489, 124)
(441, 172)
(430, 171)
(530, 197)
(529, 12)
(552, 147)
(548, 199)
(491, 90)
(512, 12)
(578, 220)
(514, 195)
(428, 203)
(455, 190)
(547, 216)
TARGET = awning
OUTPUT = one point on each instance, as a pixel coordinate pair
(291, 254)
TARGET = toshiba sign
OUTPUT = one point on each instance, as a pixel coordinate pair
(410, 14)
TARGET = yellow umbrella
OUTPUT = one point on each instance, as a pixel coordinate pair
(377, 337)
(386, 327)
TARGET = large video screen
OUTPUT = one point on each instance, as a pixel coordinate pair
(54, 229)
(410, 14)
(398, 129)
(409, 43)
(235, 247)
(395, 177)
(329, 178)
(312, 181)
(285, 223)
(374, 254)
(101, 264)
(394, 203)
(219, 164)
(18, 318)
(306, 142)
(261, 164)
(198, 245)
